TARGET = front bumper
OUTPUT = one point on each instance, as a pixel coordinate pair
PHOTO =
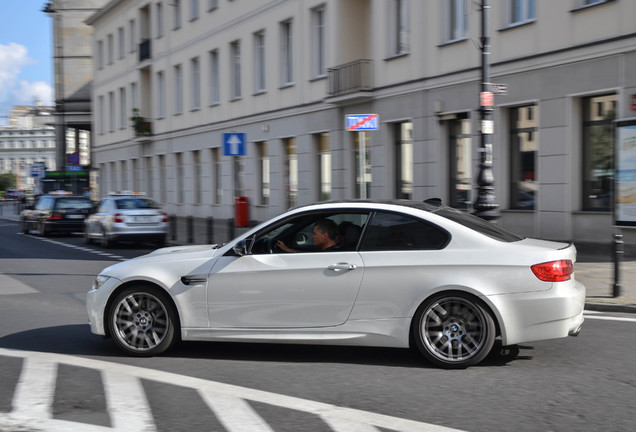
(96, 302)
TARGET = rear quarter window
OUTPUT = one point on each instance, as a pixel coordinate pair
(393, 231)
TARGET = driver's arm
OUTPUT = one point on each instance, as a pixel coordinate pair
(282, 246)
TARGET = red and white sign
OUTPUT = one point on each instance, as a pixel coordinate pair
(486, 99)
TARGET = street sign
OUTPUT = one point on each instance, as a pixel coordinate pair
(74, 168)
(498, 89)
(234, 144)
(486, 99)
(361, 122)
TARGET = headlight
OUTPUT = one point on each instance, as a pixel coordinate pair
(99, 281)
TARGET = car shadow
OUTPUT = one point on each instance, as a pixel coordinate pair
(78, 340)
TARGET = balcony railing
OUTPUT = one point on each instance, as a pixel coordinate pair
(142, 126)
(144, 50)
(350, 78)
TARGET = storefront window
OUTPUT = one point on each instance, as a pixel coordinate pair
(598, 151)
(523, 155)
(460, 158)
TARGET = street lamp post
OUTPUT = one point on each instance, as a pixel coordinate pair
(486, 206)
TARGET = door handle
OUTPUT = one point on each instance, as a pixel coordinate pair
(342, 267)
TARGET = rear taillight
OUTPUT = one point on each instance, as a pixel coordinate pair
(165, 218)
(554, 271)
(55, 217)
(117, 218)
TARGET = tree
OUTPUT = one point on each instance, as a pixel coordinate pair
(7, 181)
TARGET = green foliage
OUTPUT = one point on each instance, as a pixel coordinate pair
(7, 181)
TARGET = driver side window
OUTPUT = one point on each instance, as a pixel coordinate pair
(297, 233)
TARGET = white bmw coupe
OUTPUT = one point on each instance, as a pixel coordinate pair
(389, 274)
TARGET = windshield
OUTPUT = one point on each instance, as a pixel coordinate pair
(136, 203)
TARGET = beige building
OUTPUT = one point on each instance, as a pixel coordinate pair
(194, 75)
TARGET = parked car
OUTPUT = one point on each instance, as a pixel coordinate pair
(415, 274)
(56, 212)
(14, 194)
(127, 216)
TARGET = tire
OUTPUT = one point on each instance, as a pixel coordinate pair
(43, 230)
(142, 321)
(25, 227)
(453, 331)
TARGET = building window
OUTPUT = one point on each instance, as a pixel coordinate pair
(460, 158)
(134, 96)
(148, 176)
(217, 172)
(161, 95)
(123, 113)
(400, 30)
(259, 62)
(290, 174)
(522, 11)
(178, 90)
(263, 173)
(162, 178)
(404, 160)
(111, 49)
(214, 78)
(324, 166)
(235, 72)
(287, 60)
(159, 9)
(176, 17)
(212, 4)
(599, 113)
(362, 160)
(102, 125)
(132, 37)
(100, 54)
(194, 9)
(196, 175)
(121, 41)
(523, 156)
(180, 173)
(111, 111)
(196, 83)
(456, 20)
(319, 42)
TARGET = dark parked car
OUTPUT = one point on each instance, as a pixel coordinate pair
(56, 212)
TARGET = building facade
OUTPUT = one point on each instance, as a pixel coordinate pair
(177, 83)
(27, 141)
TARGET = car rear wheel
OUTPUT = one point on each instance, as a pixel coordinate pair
(453, 331)
(142, 321)
(87, 237)
(43, 230)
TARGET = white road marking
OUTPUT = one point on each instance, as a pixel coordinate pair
(83, 249)
(10, 285)
(219, 395)
(609, 318)
(122, 393)
(33, 396)
(234, 413)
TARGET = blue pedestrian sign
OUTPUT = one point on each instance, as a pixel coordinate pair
(361, 122)
(234, 144)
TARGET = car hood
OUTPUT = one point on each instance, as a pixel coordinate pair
(176, 258)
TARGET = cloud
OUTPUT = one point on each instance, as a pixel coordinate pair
(14, 91)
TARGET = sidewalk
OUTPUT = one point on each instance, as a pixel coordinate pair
(594, 268)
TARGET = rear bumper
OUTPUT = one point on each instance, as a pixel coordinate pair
(533, 316)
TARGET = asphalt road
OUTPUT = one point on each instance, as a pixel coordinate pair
(56, 375)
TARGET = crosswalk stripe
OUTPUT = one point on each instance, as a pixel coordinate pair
(33, 396)
(127, 403)
(346, 425)
(235, 414)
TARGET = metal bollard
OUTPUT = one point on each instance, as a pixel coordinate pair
(618, 257)
(190, 229)
(209, 230)
(173, 227)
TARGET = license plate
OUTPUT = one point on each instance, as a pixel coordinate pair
(74, 216)
(144, 219)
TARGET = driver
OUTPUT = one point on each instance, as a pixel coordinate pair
(324, 236)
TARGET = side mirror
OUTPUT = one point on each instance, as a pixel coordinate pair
(240, 248)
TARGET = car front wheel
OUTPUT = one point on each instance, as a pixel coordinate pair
(453, 331)
(142, 321)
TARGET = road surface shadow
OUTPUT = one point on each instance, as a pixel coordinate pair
(77, 340)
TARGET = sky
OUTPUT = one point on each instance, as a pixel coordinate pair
(26, 63)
